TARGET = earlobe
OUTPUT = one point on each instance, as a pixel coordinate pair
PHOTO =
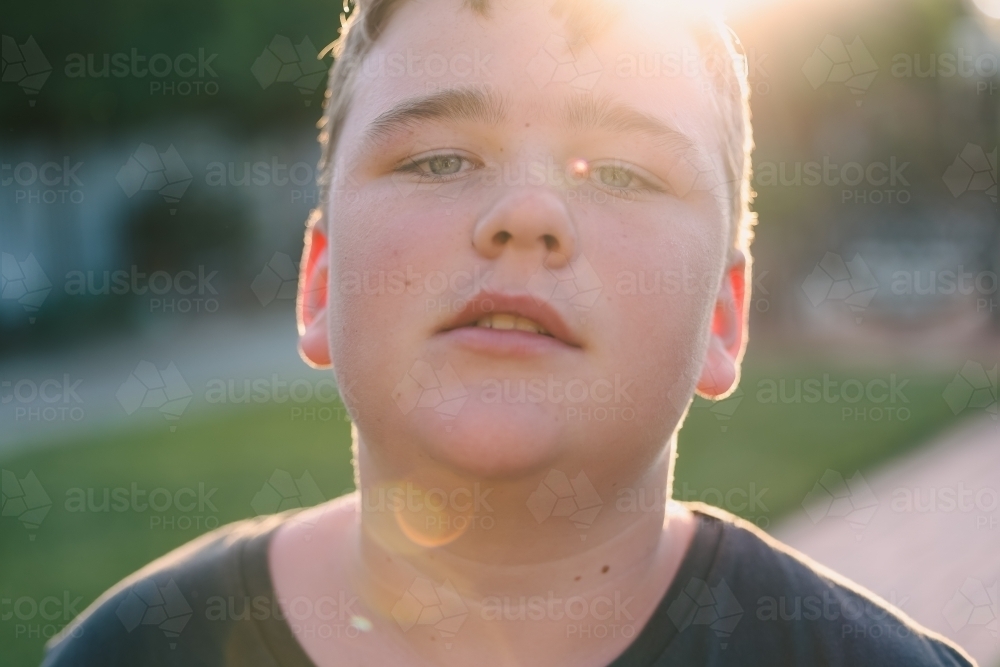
(311, 306)
(721, 370)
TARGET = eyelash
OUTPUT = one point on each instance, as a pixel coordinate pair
(646, 185)
(414, 166)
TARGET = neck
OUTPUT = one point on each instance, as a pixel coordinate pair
(488, 544)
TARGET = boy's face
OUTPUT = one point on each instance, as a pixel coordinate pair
(591, 203)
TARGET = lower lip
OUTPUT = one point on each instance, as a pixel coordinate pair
(505, 342)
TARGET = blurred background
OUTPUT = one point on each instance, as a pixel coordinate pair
(157, 164)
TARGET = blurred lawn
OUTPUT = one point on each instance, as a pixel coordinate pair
(780, 448)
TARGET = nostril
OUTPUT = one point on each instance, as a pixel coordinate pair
(500, 238)
(551, 242)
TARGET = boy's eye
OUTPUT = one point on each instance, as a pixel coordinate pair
(436, 166)
(618, 176)
(442, 165)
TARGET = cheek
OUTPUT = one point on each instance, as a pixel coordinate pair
(387, 256)
(364, 263)
(662, 298)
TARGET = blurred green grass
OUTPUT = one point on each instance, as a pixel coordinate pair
(780, 448)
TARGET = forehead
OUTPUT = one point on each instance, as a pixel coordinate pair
(644, 54)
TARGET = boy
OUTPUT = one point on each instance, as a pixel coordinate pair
(494, 280)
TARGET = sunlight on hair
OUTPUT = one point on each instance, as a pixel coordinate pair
(989, 8)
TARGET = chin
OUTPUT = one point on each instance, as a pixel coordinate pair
(493, 441)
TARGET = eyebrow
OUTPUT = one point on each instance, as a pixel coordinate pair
(587, 112)
(581, 112)
(463, 103)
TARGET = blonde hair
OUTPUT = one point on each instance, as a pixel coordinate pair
(718, 44)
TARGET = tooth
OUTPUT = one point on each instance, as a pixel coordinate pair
(523, 324)
(503, 321)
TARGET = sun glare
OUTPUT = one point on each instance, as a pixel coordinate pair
(989, 8)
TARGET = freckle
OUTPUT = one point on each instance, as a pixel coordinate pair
(605, 569)
(527, 124)
(407, 282)
(576, 578)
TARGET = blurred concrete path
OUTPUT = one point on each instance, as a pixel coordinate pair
(46, 398)
(923, 533)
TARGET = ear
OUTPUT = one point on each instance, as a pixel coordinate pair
(311, 306)
(721, 370)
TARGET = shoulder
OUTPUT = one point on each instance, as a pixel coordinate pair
(157, 615)
(794, 606)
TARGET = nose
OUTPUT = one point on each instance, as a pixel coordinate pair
(530, 221)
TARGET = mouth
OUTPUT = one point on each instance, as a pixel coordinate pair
(508, 318)
(508, 322)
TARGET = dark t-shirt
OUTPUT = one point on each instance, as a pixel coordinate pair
(739, 598)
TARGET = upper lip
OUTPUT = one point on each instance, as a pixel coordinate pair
(521, 305)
